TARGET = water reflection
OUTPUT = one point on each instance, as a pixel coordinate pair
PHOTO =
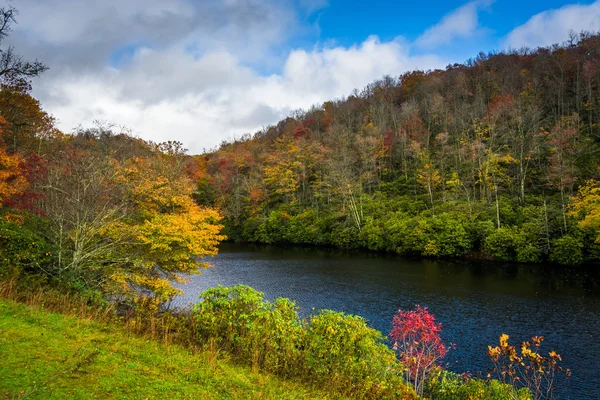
(475, 301)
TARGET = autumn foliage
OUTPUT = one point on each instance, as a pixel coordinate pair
(526, 367)
(12, 177)
(416, 338)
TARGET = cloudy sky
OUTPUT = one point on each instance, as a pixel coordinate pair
(202, 71)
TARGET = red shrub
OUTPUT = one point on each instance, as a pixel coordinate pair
(416, 338)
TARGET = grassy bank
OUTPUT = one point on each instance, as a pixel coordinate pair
(52, 356)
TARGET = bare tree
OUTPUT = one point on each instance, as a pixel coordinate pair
(14, 70)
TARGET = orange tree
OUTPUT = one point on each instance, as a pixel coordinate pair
(127, 227)
(12, 179)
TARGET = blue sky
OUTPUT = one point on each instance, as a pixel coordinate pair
(352, 21)
(203, 71)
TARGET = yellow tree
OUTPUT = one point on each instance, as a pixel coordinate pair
(289, 170)
(429, 178)
(586, 207)
(127, 227)
(492, 173)
(27, 124)
(166, 235)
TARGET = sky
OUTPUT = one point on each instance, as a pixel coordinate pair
(203, 71)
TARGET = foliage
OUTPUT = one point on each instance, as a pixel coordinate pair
(342, 351)
(126, 225)
(240, 322)
(445, 385)
(526, 367)
(586, 207)
(416, 338)
(21, 249)
(12, 179)
(332, 350)
(411, 162)
(567, 250)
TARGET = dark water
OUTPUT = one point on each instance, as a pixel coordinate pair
(474, 301)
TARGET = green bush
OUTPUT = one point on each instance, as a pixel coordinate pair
(448, 236)
(567, 250)
(406, 234)
(345, 236)
(269, 334)
(444, 385)
(501, 244)
(21, 250)
(342, 351)
(373, 235)
(333, 350)
(442, 235)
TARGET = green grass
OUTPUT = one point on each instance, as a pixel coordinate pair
(52, 356)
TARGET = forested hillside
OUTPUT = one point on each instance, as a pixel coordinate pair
(493, 158)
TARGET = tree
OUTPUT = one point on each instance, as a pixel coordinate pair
(27, 125)
(165, 233)
(126, 227)
(14, 71)
(429, 178)
(416, 338)
(12, 179)
(586, 207)
(563, 154)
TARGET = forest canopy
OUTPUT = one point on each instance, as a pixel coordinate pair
(483, 159)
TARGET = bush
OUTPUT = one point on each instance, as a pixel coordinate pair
(525, 368)
(444, 385)
(416, 337)
(567, 250)
(501, 244)
(21, 250)
(341, 351)
(269, 334)
(406, 234)
(333, 349)
(448, 236)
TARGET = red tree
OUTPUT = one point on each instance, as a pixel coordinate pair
(416, 338)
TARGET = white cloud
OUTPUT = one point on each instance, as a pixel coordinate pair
(190, 72)
(460, 23)
(553, 26)
(204, 101)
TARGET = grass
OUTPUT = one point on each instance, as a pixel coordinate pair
(44, 355)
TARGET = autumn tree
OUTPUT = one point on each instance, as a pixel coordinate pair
(586, 208)
(27, 125)
(126, 227)
(12, 180)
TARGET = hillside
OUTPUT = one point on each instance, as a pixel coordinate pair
(52, 356)
(482, 159)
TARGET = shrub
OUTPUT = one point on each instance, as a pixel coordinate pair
(269, 334)
(333, 349)
(445, 385)
(21, 250)
(501, 244)
(448, 236)
(567, 250)
(342, 351)
(416, 337)
(526, 367)
(373, 236)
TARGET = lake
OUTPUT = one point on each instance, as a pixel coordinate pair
(474, 301)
